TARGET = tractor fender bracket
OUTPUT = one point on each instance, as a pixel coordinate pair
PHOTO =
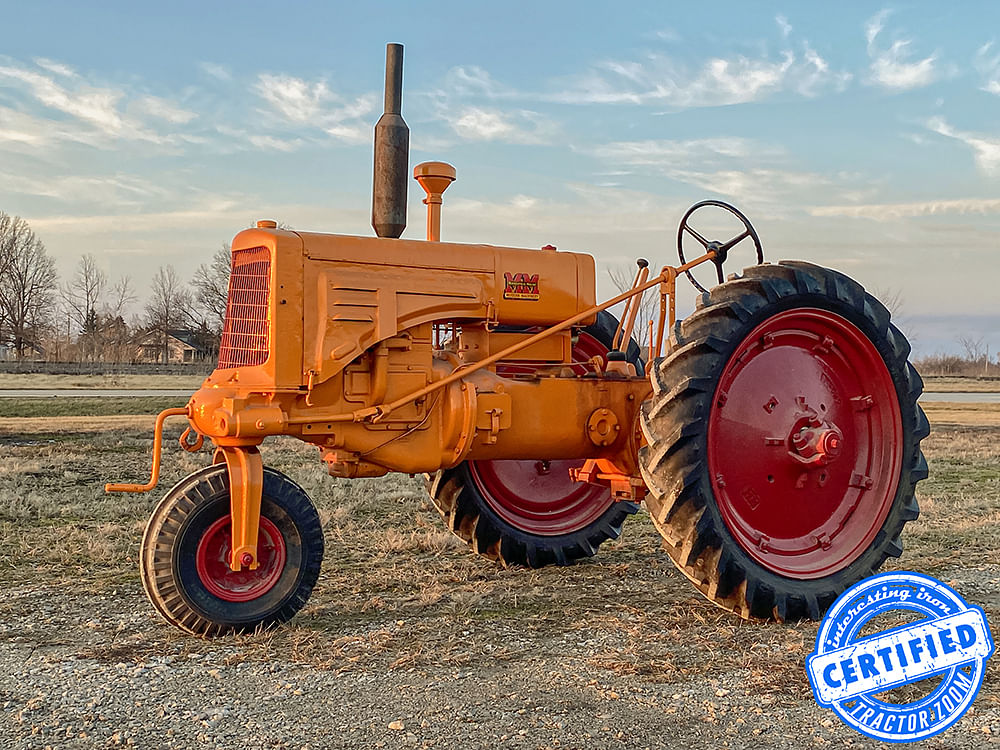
(246, 486)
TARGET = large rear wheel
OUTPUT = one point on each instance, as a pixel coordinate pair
(530, 512)
(783, 441)
(184, 559)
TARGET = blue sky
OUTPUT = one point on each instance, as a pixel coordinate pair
(859, 136)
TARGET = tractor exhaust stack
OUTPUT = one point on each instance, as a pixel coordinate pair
(392, 151)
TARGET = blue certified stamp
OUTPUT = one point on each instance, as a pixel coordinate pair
(847, 670)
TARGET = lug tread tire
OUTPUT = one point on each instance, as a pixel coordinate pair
(674, 422)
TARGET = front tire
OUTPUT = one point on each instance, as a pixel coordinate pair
(783, 441)
(184, 556)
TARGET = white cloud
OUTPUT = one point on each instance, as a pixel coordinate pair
(55, 67)
(481, 124)
(755, 186)
(666, 153)
(720, 81)
(891, 67)
(215, 70)
(988, 65)
(895, 211)
(164, 110)
(296, 99)
(875, 24)
(53, 104)
(738, 168)
(19, 128)
(660, 79)
(484, 124)
(665, 35)
(119, 190)
(216, 211)
(471, 80)
(783, 25)
(97, 106)
(270, 143)
(986, 150)
(26, 132)
(523, 219)
(302, 103)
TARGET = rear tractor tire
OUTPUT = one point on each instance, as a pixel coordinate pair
(530, 512)
(184, 559)
(783, 441)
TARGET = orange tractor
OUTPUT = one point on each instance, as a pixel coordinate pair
(773, 434)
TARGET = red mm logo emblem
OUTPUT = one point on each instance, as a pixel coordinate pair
(520, 286)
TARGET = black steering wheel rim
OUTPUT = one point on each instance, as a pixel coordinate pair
(721, 248)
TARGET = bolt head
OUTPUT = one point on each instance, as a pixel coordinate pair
(246, 560)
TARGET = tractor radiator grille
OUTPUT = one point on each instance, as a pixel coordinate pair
(245, 331)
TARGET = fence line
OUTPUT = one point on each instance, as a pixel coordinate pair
(103, 368)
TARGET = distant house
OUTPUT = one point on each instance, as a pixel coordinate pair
(33, 350)
(183, 347)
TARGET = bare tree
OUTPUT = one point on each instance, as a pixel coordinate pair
(975, 349)
(167, 308)
(27, 283)
(211, 288)
(85, 291)
(11, 228)
(83, 294)
(622, 277)
(121, 296)
(892, 298)
(117, 340)
(895, 303)
(12, 232)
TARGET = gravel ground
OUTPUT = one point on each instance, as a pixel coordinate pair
(410, 641)
(178, 695)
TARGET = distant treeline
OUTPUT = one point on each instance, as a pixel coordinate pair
(86, 318)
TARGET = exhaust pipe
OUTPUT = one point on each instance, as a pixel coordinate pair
(392, 153)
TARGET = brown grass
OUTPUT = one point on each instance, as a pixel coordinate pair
(962, 415)
(75, 425)
(397, 591)
(955, 384)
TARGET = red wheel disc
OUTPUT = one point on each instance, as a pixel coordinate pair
(805, 443)
(212, 559)
(539, 497)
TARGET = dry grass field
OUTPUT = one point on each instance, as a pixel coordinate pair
(409, 640)
(10, 381)
(954, 384)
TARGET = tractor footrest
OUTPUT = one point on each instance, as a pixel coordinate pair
(603, 471)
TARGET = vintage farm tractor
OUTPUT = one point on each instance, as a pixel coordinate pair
(773, 434)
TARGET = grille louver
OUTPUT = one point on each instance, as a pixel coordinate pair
(246, 328)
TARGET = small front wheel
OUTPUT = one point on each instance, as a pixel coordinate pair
(184, 559)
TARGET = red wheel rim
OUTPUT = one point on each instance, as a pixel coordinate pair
(212, 558)
(805, 443)
(539, 497)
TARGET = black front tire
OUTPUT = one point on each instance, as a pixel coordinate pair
(168, 556)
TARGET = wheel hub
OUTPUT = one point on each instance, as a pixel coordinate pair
(815, 441)
(213, 556)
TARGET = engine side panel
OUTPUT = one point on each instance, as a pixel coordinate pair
(362, 290)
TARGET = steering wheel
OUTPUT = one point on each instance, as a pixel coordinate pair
(721, 248)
